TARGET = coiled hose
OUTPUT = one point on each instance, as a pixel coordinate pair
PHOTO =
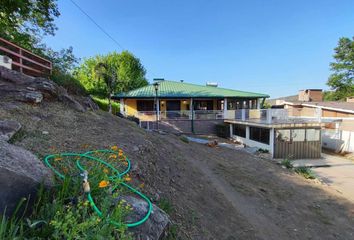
(117, 174)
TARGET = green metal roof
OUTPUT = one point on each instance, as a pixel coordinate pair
(173, 89)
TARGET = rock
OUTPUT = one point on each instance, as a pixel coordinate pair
(8, 128)
(30, 96)
(89, 104)
(155, 227)
(67, 99)
(24, 88)
(21, 173)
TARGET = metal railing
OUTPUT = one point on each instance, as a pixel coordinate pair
(25, 61)
(253, 115)
(274, 115)
(180, 115)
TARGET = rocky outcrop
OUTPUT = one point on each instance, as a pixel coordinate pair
(156, 225)
(21, 174)
(20, 87)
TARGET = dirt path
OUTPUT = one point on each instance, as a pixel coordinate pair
(336, 171)
(245, 206)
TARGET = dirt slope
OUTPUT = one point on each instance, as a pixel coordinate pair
(216, 193)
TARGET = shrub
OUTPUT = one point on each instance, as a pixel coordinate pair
(306, 172)
(67, 81)
(222, 130)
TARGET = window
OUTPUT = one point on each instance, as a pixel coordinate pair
(203, 105)
(145, 105)
(313, 134)
(259, 134)
(283, 135)
(239, 130)
(298, 135)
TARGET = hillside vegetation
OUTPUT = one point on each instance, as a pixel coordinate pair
(210, 193)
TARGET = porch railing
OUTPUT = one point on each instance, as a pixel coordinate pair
(253, 115)
(25, 61)
(180, 115)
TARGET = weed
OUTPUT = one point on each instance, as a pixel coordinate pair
(287, 163)
(165, 205)
(305, 172)
(18, 136)
(184, 139)
(261, 150)
(172, 232)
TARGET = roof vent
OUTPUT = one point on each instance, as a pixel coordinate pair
(212, 84)
(158, 79)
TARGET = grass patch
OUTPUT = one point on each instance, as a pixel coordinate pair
(103, 104)
(306, 172)
(287, 163)
(165, 205)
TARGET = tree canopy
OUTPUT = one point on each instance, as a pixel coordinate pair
(26, 21)
(341, 80)
(130, 73)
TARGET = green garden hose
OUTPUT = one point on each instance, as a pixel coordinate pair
(116, 175)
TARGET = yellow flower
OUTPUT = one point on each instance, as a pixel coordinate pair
(127, 178)
(142, 185)
(58, 159)
(103, 184)
(125, 163)
(113, 156)
(105, 170)
(114, 148)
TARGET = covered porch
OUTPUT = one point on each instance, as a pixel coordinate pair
(186, 108)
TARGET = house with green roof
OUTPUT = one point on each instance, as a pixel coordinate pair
(189, 108)
(177, 100)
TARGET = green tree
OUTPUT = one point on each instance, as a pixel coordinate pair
(130, 72)
(341, 80)
(26, 21)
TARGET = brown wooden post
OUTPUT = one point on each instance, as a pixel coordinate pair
(21, 63)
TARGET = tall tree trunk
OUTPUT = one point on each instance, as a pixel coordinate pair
(109, 104)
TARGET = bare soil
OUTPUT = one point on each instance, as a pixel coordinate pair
(216, 193)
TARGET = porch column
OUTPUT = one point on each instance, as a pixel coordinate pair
(191, 109)
(158, 108)
(225, 108)
(231, 130)
(258, 103)
(121, 106)
(271, 141)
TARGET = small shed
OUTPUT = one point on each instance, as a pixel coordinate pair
(291, 140)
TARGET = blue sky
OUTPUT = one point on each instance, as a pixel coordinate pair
(268, 46)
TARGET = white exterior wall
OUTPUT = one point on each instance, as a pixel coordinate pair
(252, 143)
(338, 140)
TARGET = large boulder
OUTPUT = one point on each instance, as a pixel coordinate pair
(21, 174)
(155, 227)
(8, 128)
